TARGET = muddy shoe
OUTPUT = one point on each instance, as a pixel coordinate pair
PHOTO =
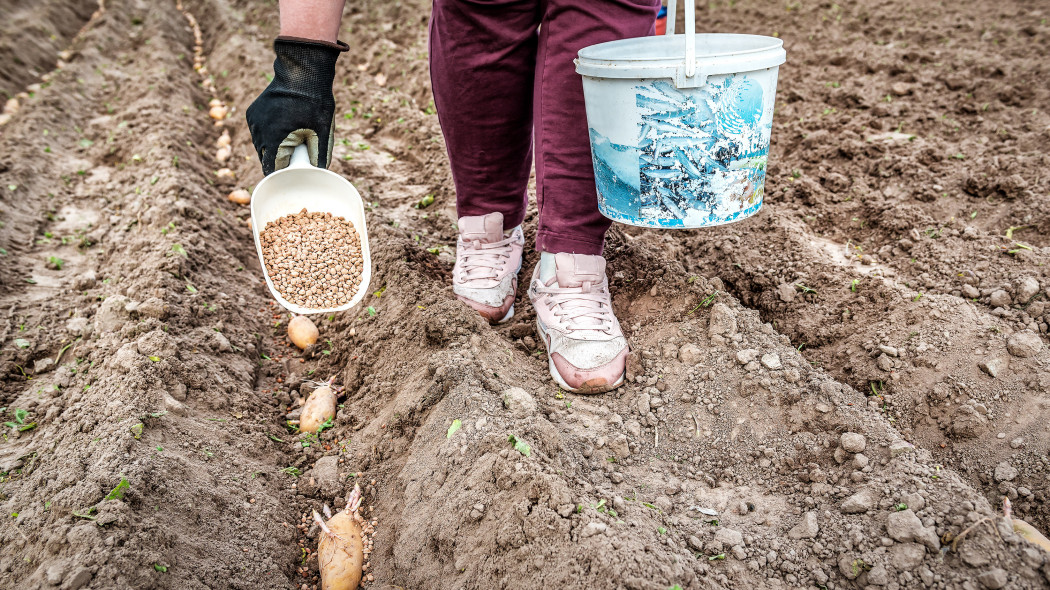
(586, 348)
(487, 265)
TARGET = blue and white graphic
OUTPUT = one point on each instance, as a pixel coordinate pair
(698, 157)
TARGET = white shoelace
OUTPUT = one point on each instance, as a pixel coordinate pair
(580, 308)
(484, 261)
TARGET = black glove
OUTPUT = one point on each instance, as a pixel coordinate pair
(298, 106)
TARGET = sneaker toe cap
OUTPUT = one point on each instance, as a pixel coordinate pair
(492, 313)
(595, 379)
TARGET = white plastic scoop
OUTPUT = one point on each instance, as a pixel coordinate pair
(302, 185)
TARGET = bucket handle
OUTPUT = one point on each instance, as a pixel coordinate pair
(687, 77)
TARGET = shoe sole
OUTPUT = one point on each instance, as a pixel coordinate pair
(506, 318)
(585, 390)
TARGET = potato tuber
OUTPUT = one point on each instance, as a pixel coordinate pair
(318, 409)
(240, 196)
(301, 331)
(341, 551)
(1030, 534)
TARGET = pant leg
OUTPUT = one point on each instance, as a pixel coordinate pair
(569, 220)
(482, 64)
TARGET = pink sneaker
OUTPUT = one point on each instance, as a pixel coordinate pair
(586, 349)
(487, 263)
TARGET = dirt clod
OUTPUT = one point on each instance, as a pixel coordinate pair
(1024, 344)
(519, 401)
(852, 442)
(859, 502)
(807, 528)
(994, 579)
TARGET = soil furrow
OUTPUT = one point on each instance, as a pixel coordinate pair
(139, 298)
(32, 36)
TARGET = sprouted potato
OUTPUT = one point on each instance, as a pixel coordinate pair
(341, 551)
(318, 409)
(1030, 533)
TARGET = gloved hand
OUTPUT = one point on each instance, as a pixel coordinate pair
(298, 106)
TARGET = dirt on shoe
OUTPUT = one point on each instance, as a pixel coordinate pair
(836, 393)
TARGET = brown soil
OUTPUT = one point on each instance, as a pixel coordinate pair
(864, 298)
(32, 37)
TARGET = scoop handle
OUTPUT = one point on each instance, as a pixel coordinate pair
(300, 157)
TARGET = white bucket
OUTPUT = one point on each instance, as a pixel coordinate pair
(302, 185)
(680, 124)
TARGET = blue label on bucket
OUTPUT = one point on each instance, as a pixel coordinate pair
(700, 157)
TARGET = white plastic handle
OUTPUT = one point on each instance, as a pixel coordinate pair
(300, 157)
(690, 32)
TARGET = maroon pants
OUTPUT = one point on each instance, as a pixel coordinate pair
(503, 74)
